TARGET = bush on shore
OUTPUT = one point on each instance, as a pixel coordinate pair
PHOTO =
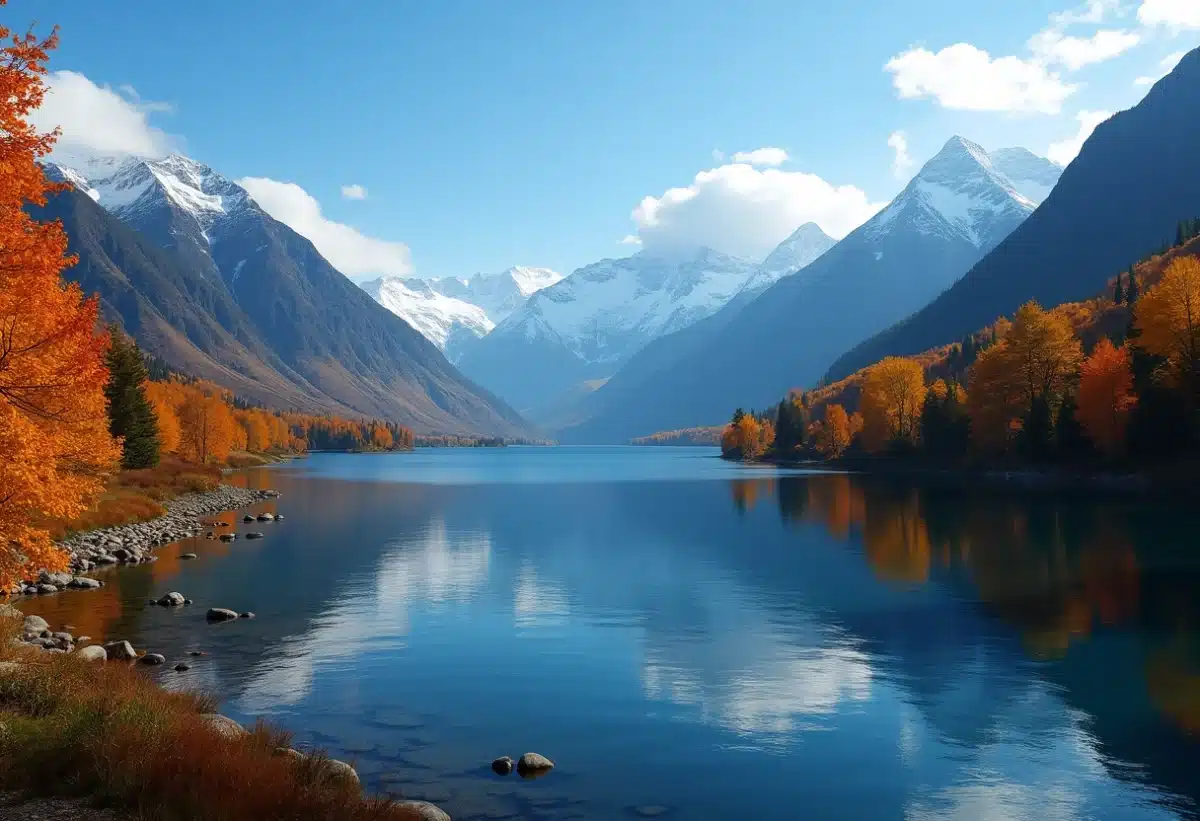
(106, 732)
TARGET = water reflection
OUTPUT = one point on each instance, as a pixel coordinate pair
(742, 644)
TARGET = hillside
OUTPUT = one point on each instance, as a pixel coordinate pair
(1120, 199)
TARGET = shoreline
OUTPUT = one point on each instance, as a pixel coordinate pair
(135, 543)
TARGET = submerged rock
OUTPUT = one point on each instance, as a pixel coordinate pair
(228, 537)
(246, 615)
(254, 535)
(502, 765)
(182, 667)
(172, 600)
(534, 764)
(266, 517)
(187, 555)
(220, 614)
(154, 659)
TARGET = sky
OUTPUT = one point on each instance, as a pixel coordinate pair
(444, 139)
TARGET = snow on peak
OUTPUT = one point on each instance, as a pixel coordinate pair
(531, 280)
(444, 320)
(966, 192)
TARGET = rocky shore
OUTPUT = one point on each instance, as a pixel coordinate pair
(135, 543)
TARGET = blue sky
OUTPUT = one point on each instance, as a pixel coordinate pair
(488, 134)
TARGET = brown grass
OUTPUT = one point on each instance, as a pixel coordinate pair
(106, 732)
(137, 495)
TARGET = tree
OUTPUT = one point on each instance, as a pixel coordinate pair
(945, 428)
(55, 448)
(1168, 322)
(1119, 289)
(835, 432)
(131, 417)
(1132, 290)
(1044, 354)
(892, 397)
(1106, 396)
(381, 437)
(1071, 442)
(206, 426)
(748, 438)
(164, 399)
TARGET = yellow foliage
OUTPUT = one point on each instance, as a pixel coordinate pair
(893, 395)
(1168, 317)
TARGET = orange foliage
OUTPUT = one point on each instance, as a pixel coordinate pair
(748, 439)
(1106, 396)
(1168, 316)
(162, 400)
(55, 448)
(835, 432)
(893, 394)
(206, 426)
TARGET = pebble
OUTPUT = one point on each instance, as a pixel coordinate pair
(153, 658)
(502, 765)
(187, 555)
(254, 535)
(534, 764)
(181, 667)
(246, 615)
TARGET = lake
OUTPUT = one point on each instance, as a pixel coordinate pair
(693, 639)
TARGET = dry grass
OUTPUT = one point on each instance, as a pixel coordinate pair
(69, 727)
(137, 495)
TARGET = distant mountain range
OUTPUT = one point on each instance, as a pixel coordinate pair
(576, 333)
(1135, 178)
(960, 205)
(203, 277)
(452, 312)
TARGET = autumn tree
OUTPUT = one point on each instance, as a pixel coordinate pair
(747, 437)
(892, 396)
(381, 437)
(835, 432)
(1167, 318)
(131, 417)
(1106, 396)
(55, 447)
(206, 426)
(164, 400)
(945, 428)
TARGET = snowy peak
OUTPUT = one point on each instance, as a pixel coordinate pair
(963, 192)
(806, 244)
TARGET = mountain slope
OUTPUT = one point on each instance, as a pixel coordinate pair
(453, 313)
(953, 212)
(585, 326)
(270, 291)
(1135, 178)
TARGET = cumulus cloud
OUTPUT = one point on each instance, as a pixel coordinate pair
(630, 239)
(1172, 13)
(1073, 53)
(1066, 150)
(770, 157)
(347, 249)
(746, 211)
(97, 119)
(902, 163)
(967, 78)
(354, 192)
(1166, 66)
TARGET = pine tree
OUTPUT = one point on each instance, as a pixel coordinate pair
(1119, 291)
(130, 414)
(1131, 293)
(1181, 233)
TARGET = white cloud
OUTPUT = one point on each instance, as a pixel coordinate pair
(1093, 11)
(771, 157)
(1051, 46)
(354, 192)
(967, 78)
(1066, 150)
(99, 120)
(347, 249)
(902, 163)
(1167, 65)
(630, 239)
(747, 211)
(1173, 13)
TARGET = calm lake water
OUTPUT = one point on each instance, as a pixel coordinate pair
(691, 639)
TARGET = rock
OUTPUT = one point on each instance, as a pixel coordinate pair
(7, 611)
(254, 535)
(172, 600)
(228, 537)
(44, 589)
(121, 554)
(181, 667)
(197, 653)
(188, 601)
(153, 659)
(223, 725)
(188, 555)
(341, 770)
(502, 765)
(288, 752)
(247, 518)
(651, 811)
(35, 624)
(220, 614)
(84, 583)
(82, 639)
(279, 517)
(424, 810)
(534, 763)
(56, 579)
(246, 615)
(93, 653)
(29, 591)
(104, 558)
(120, 651)
(63, 636)
(266, 517)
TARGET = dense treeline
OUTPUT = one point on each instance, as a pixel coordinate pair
(1109, 383)
(687, 437)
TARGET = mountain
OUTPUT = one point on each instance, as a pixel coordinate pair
(585, 326)
(1135, 178)
(453, 313)
(189, 263)
(959, 206)
(807, 243)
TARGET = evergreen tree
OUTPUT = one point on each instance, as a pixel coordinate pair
(1181, 233)
(1119, 291)
(1131, 292)
(1073, 443)
(1036, 439)
(130, 414)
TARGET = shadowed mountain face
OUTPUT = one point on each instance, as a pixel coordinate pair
(1137, 176)
(202, 277)
(962, 203)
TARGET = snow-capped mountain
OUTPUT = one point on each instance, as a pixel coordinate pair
(453, 312)
(276, 300)
(583, 327)
(807, 243)
(960, 205)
